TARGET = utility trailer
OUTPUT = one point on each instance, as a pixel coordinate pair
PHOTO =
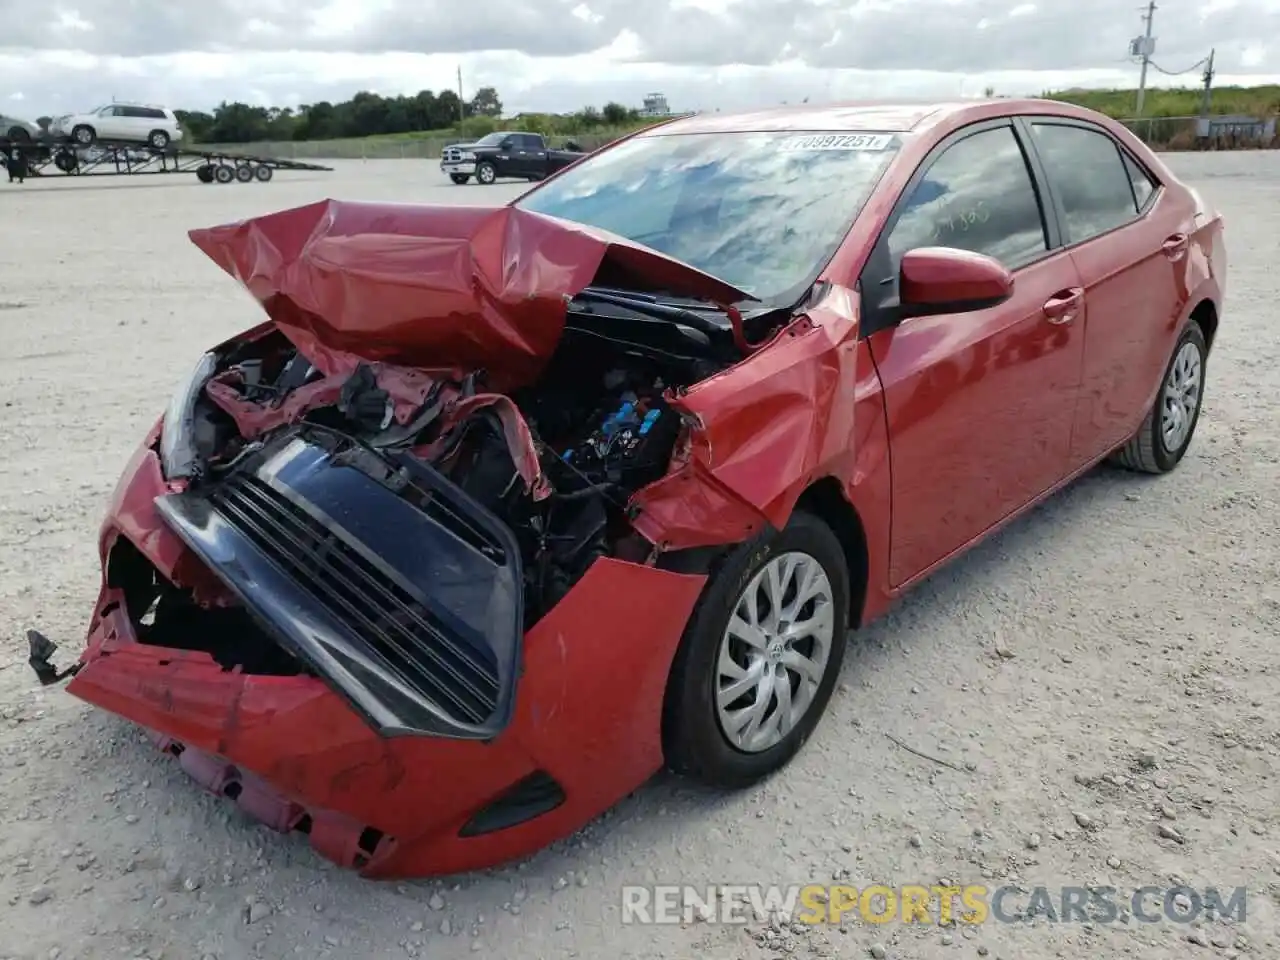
(108, 159)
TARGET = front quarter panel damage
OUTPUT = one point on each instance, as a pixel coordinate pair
(759, 433)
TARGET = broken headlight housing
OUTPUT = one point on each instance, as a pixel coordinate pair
(177, 434)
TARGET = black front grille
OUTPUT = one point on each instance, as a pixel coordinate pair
(400, 630)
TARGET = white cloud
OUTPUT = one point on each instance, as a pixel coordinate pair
(70, 21)
(1254, 55)
(562, 54)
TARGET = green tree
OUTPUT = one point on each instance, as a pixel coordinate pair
(485, 103)
(448, 110)
(615, 114)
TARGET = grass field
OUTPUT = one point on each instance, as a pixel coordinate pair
(1247, 101)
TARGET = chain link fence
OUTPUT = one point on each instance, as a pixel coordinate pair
(1205, 133)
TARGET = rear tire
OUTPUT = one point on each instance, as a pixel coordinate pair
(224, 173)
(263, 173)
(1170, 424)
(244, 173)
(158, 139)
(205, 174)
(696, 737)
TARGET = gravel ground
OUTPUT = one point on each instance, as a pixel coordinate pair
(1094, 677)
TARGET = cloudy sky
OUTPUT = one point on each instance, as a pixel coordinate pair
(67, 55)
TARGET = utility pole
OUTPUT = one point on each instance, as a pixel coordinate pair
(1208, 85)
(1144, 46)
(462, 108)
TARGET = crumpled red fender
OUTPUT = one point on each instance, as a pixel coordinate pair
(757, 434)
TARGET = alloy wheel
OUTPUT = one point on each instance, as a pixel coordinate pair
(774, 652)
(1181, 397)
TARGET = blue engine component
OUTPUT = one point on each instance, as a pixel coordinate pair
(621, 443)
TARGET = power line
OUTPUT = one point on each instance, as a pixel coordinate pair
(1177, 73)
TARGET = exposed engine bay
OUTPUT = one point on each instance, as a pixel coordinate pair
(556, 462)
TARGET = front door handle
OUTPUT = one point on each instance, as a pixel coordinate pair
(1176, 246)
(1064, 305)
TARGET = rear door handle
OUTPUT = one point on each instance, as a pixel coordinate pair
(1176, 246)
(1063, 306)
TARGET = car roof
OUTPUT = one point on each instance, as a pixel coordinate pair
(887, 116)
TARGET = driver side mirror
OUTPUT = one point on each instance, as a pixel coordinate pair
(938, 280)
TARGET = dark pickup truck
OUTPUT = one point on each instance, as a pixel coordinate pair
(523, 156)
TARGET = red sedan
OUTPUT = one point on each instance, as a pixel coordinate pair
(501, 510)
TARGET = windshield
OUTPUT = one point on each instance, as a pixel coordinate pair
(761, 211)
(491, 139)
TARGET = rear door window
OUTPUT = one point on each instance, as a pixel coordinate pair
(1089, 176)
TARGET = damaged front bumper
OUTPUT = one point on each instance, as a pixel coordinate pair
(389, 581)
(302, 751)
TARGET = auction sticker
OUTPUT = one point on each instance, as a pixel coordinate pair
(839, 141)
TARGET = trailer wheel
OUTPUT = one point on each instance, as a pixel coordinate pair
(224, 173)
(66, 161)
(244, 173)
(83, 134)
(263, 173)
(205, 174)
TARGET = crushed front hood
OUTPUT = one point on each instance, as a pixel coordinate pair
(434, 287)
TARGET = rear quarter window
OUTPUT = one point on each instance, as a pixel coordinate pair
(1143, 186)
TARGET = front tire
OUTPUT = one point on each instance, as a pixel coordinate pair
(760, 657)
(1166, 432)
(486, 172)
(459, 178)
(83, 135)
(19, 134)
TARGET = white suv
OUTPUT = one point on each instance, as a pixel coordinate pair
(121, 122)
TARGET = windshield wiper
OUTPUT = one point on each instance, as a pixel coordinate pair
(651, 306)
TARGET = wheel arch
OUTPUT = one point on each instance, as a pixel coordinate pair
(825, 499)
(1205, 314)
